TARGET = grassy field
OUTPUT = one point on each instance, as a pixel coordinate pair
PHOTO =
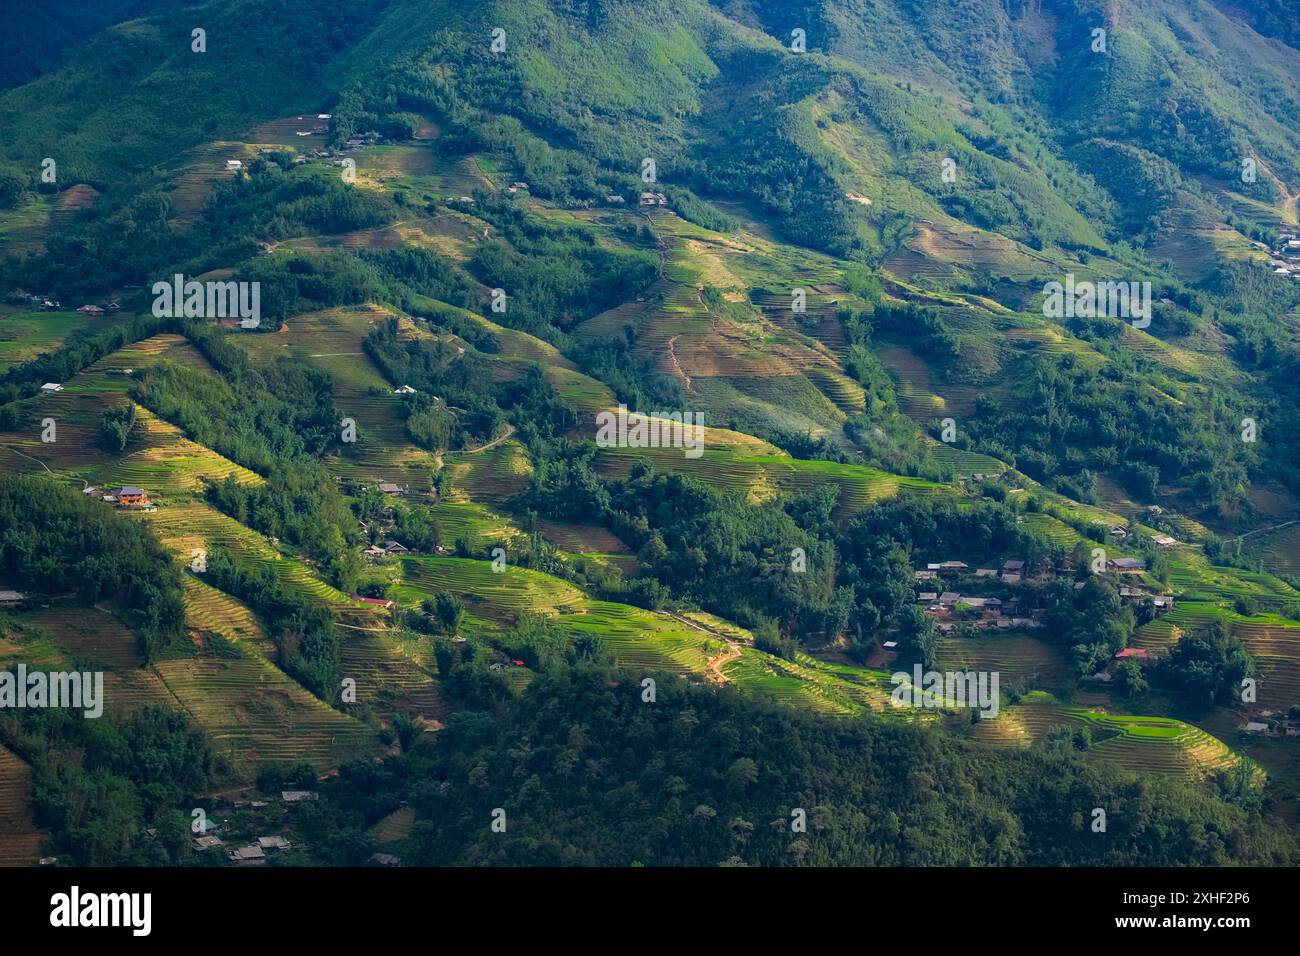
(26, 334)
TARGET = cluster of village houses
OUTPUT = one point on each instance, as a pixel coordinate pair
(256, 853)
(951, 608)
(47, 304)
(1286, 257)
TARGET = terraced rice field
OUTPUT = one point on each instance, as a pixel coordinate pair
(919, 396)
(393, 828)
(491, 476)
(391, 675)
(20, 839)
(1039, 665)
(494, 595)
(332, 341)
(185, 528)
(24, 228)
(1051, 528)
(77, 409)
(1279, 551)
(760, 477)
(1138, 744)
(644, 639)
(254, 713)
(200, 171)
(581, 538)
(212, 611)
(93, 638)
(638, 638)
(824, 686)
(161, 459)
(473, 522)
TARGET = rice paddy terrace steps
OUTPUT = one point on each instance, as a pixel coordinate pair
(70, 202)
(332, 340)
(760, 477)
(161, 459)
(20, 838)
(1040, 665)
(91, 636)
(198, 173)
(1160, 745)
(254, 713)
(196, 526)
(391, 675)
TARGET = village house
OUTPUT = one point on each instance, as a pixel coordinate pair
(614, 200)
(206, 843)
(298, 796)
(273, 843)
(131, 497)
(403, 390)
(11, 598)
(1163, 541)
(1119, 531)
(1125, 565)
(388, 488)
(248, 855)
(1135, 653)
(1009, 577)
(91, 310)
(49, 387)
(949, 598)
(986, 573)
(1013, 567)
(927, 597)
(654, 199)
(925, 575)
(234, 164)
(395, 547)
(386, 859)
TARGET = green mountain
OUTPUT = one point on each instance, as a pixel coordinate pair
(833, 230)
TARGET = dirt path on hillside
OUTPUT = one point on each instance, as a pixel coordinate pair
(677, 366)
(510, 430)
(716, 663)
(30, 458)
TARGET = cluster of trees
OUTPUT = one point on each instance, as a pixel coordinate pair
(98, 784)
(115, 427)
(302, 507)
(554, 276)
(54, 540)
(781, 568)
(259, 417)
(879, 549)
(1067, 424)
(707, 777)
(1091, 621)
(1206, 669)
(922, 326)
